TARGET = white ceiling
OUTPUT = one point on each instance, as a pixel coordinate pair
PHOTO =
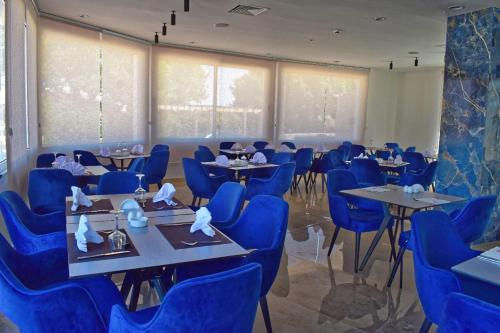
(285, 30)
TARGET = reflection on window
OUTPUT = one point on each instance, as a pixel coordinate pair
(3, 144)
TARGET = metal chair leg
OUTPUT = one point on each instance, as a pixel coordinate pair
(335, 234)
(357, 245)
(194, 201)
(265, 313)
(426, 325)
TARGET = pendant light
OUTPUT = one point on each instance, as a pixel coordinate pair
(172, 18)
(164, 29)
(186, 5)
(390, 65)
(157, 38)
(416, 62)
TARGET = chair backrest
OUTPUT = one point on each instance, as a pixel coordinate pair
(45, 160)
(339, 180)
(339, 210)
(226, 204)
(260, 144)
(221, 302)
(472, 220)
(280, 158)
(366, 171)
(411, 149)
(462, 313)
(356, 150)
(303, 160)
(282, 177)
(87, 159)
(347, 143)
(17, 217)
(268, 153)
(262, 225)
(226, 144)
(201, 147)
(416, 160)
(289, 144)
(383, 154)
(197, 178)
(137, 165)
(48, 189)
(425, 178)
(336, 160)
(391, 145)
(344, 151)
(159, 147)
(155, 167)
(204, 156)
(117, 182)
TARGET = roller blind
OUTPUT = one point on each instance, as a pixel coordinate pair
(320, 104)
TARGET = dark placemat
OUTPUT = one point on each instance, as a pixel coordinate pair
(150, 206)
(176, 233)
(101, 205)
(93, 249)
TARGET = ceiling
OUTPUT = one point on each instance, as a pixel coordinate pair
(291, 29)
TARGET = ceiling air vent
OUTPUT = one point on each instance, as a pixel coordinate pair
(248, 10)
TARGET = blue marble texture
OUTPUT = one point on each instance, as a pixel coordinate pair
(469, 147)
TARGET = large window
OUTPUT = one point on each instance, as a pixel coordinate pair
(198, 95)
(3, 142)
(321, 104)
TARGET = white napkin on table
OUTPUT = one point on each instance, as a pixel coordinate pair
(202, 222)
(415, 188)
(379, 160)
(62, 160)
(134, 213)
(250, 149)
(284, 149)
(166, 193)
(236, 146)
(79, 199)
(269, 146)
(222, 160)
(398, 160)
(86, 234)
(104, 151)
(75, 168)
(361, 156)
(427, 153)
(258, 158)
(137, 149)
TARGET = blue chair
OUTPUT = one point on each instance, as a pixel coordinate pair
(367, 172)
(268, 153)
(356, 150)
(159, 147)
(119, 182)
(48, 189)
(289, 144)
(355, 219)
(204, 156)
(462, 313)
(397, 151)
(226, 144)
(30, 232)
(411, 149)
(279, 158)
(424, 178)
(37, 296)
(260, 144)
(222, 302)
(416, 160)
(383, 154)
(437, 248)
(201, 184)
(392, 145)
(303, 162)
(336, 160)
(46, 160)
(137, 165)
(89, 159)
(339, 180)
(345, 152)
(261, 227)
(201, 147)
(277, 185)
(347, 143)
(155, 167)
(226, 204)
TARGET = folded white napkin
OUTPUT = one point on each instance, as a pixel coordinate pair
(398, 159)
(222, 160)
(75, 168)
(79, 199)
(250, 149)
(269, 146)
(427, 153)
(415, 188)
(61, 160)
(166, 193)
(137, 149)
(105, 151)
(134, 213)
(236, 146)
(362, 156)
(202, 222)
(284, 149)
(86, 234)
(258, 158)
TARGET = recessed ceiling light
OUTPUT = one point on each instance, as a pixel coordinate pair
(84, 16)
(221, 25)
(413, 52)
(337, 31)
(456, 7)
(380, 18)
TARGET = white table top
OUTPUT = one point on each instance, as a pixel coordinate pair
(95, 170)
(235, 152)
(396, 196)
(239, 168)
(125, 157)
(387, 164)
(480, 269)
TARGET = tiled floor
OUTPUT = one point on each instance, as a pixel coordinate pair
(314, 293)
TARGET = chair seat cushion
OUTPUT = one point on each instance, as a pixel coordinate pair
(143, 316)
(365, 220)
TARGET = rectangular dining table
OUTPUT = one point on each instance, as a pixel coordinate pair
(394, 195)
(95, 170)
(123, 158)
(237, 169)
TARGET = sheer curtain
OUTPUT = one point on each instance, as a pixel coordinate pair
(320, 104)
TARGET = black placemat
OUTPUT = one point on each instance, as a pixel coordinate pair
(93, 249)
(150, 206)
(176, 233)
(101, 205)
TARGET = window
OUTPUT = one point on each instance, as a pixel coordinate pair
(3, 137)
(321, 104)
(199, 95)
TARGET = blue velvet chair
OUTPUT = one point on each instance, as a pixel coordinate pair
(336, 160)
(89, 159)
(411, 149)
(289, 144)
(280, 158)
(159, 147)
(31, 232)
(155, 167)
(221, 302)
(437, 248)
(319, 166)
(357, 220)
(37, 296)
(119, 182)
(260, 144)
(201, 184)
(383, 154)
(303, 161)
(470, 222)
(347, 143)
(397, 151)
(48, 189)
(268, 153)
(356, 150)
(45, 160)
(416, 160)
(201, 147)
(392, 145)
(367, 172)
(226, 204)
(261, 227)
(137, 165)
(204, 156)
(277, 185)
(462, 313)
(226, 144)
(344, 151)
(424, 178)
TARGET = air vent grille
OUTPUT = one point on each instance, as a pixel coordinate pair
(248, 10)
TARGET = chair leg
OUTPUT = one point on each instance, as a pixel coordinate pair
(126, 286)
(194, 201)
(426, 325)
(397, 263)
(199, 202)
(159, 185)
(335, 234)
(401, 274)
(323, 182)
(265, 313)
(357, 245)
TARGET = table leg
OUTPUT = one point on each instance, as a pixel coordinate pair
(121, 165)
(377, 237)
(113, 161)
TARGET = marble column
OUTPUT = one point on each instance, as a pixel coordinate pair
(469, 147)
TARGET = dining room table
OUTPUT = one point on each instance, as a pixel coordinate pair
(122, 158)
(394, 195)
(481, 267)
(238, 168)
